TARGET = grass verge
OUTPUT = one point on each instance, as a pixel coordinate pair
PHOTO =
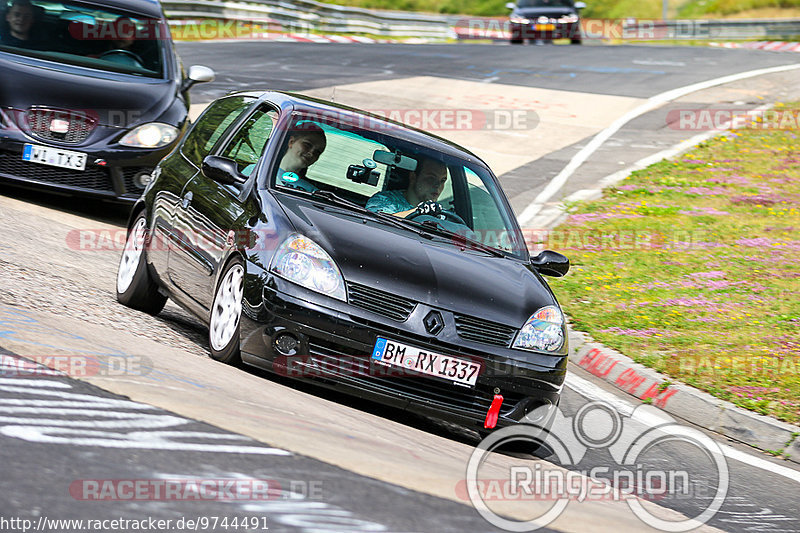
(692, 267)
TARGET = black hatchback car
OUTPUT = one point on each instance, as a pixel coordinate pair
(272, 223)
(92, 95)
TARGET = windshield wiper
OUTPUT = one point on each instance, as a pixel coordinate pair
(458, 238)
(383, 217)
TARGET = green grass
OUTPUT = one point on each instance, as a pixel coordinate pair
(604, 9)
(692, 267)
(701, 8)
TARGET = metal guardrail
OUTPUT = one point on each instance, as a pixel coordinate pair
(304, 16)
(307, 16)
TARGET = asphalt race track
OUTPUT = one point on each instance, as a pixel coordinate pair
(161, 413)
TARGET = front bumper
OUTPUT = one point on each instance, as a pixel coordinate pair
(335, 340)
(110, 173)
(546, 31)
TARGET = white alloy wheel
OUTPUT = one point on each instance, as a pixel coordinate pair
(131, 256)
(227, 308)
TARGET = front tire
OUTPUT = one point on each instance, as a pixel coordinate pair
(226, 312)
(135, 286)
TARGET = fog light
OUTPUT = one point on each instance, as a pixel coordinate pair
(286, 344)
(141, 179)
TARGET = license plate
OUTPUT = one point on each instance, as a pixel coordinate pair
(544, 27)
(55, 157)
(459, 371)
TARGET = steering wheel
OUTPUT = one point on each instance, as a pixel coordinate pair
(448, 215)
(126, 53)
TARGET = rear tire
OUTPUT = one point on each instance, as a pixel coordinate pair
(135, 287)
(226, 313)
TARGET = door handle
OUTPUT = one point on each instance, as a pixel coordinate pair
(186, 200)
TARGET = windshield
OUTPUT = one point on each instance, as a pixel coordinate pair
(545, 3)
(76, 34)
(384, 174)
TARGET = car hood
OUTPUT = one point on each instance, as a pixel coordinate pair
(434, 272)
(550, 12)
(113, 99)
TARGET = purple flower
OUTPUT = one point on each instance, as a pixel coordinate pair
(649, 332)
(758, 199)
(713, 274)
(704, 211)
(591, 217)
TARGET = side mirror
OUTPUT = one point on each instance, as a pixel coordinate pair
(197, 74)
(550, 263)
(222, 170)
(580, 5)
(511, 5)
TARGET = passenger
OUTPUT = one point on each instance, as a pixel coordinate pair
(306, 143)
(424, 187)
(20, 21)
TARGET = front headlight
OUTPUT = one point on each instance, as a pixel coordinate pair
(568, 19)
(151, 135)
(302, 261)
(544, 331)
(520, 20)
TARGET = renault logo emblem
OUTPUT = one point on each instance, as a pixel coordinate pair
(433, 322)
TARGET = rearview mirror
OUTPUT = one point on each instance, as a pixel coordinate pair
(511, 5)
(580, 5)
(222, 170)
(550, 263)
(395, 160)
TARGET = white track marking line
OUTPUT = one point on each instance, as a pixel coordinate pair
(652, 103)
(591, 391)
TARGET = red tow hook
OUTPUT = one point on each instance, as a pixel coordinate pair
(494, 412)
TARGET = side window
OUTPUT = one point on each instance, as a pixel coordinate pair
(211, 125)
(486, 215)
(248, 144)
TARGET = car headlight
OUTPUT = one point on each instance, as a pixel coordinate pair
(544, 331)
(568, 19)
(151, 135)
(302, 261)
(520, 20)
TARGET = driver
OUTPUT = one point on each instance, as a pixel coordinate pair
(424, 187)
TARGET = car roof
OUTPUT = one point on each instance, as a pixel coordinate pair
(349, 115)
(151, 8)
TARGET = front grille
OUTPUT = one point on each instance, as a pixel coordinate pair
(78, 125)
(479, 330)
(347, 363)
(380, 302)
(93, 178)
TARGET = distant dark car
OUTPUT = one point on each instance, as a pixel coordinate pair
(94, 97)
(545, 20)
(445, 315)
